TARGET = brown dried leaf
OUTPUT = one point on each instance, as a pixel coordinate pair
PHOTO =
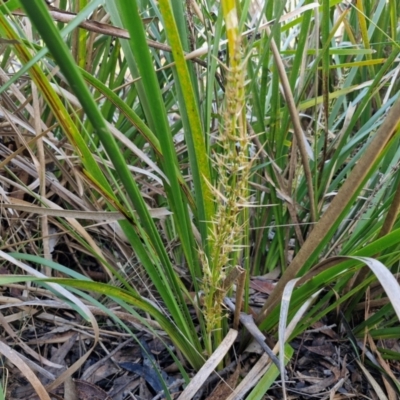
(225, 388)
(319, 387)
(323, 350)
(88, 391)
(262, 286)
(321, 327)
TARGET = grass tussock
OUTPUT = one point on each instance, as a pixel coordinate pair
(170, 169)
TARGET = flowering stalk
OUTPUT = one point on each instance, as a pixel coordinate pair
(231, 191)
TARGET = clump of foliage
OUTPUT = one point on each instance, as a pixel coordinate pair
(222, 137)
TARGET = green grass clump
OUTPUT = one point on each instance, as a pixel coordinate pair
(219, 136)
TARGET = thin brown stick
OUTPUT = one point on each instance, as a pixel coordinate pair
(107, 29)
(239, 298)
(294, 115)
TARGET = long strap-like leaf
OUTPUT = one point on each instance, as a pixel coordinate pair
(329, 222)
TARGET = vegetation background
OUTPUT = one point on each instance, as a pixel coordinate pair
(165, 164)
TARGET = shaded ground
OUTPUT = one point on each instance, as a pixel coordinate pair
(49, 336)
